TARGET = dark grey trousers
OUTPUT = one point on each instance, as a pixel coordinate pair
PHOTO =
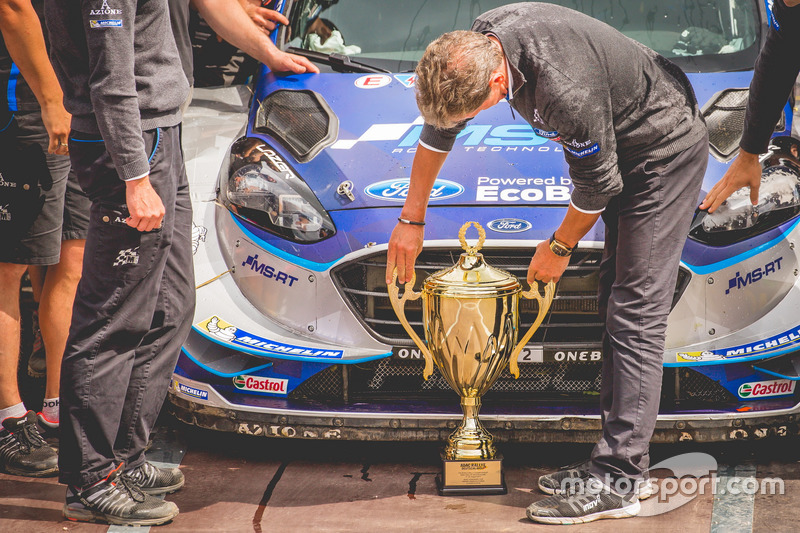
(646, 227)
(132, 312)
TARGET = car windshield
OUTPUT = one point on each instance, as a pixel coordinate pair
(699, 35)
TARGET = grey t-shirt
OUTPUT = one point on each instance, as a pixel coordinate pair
(606, 98)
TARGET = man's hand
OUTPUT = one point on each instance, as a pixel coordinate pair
(545, 265)
(745, 171)
(405, 244)
(144, 205)
(263, 17)
(57, 123)
(280, 61)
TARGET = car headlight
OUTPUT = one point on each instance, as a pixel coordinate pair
(778, 200)
(262, 188)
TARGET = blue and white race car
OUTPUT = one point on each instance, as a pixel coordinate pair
(297, 188)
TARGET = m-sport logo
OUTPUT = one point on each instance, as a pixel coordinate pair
(763, 389)
(397, 190)
(261, 384)
(509, 225)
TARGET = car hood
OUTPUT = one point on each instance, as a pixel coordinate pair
(497, 159)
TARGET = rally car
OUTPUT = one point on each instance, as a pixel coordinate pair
(298, 186)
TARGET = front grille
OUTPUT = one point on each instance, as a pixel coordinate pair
(573, 317)
(395, 381)
(390, 378)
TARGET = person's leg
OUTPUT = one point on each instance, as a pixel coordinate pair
(10, 280)
(113, 312)
(654, 214)
(55, 308)
(158, 353)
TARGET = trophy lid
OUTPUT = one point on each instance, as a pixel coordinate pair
(472, 277)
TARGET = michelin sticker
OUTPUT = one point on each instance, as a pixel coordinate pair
(779, 341)
(216, 328)
(194, 392)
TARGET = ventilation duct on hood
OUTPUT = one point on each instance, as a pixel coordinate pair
(301, 120)
(724, 115)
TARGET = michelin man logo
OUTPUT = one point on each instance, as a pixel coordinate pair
(700, 356)
(198, 235)
(225, 333)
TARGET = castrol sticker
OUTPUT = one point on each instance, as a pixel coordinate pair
(764, 389)
(261, 384)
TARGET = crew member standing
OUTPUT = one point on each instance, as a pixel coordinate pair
(123, 83)
(637, 149)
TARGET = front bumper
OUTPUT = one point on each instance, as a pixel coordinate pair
(414, 423)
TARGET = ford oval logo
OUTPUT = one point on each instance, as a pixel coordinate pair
(397, 190)
(509, 225)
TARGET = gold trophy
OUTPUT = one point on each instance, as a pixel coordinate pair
(470, 313)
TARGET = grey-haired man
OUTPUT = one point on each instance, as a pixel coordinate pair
(637, 150)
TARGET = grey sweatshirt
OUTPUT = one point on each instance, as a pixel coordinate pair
(606, 98)
(119, 68)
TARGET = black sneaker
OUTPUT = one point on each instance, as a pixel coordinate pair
(115, 500)
(23, 452)
(37, 362)
(591, 501)
(561, 481)
(153, 480)
(48, 430)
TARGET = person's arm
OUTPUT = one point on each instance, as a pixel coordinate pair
(22, 33)
(546, 265)
(405, 244)
(112, 91)
(230, 21)
(775, 73)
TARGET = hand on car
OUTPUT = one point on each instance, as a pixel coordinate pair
(144, 205)
(280, 61)
(745, 171)
(545, 265)
(405, 244)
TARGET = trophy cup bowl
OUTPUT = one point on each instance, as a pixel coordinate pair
(470, 315)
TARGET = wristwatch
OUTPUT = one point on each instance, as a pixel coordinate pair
(559, 248)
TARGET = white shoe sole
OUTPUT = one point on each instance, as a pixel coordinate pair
(87, 515)
(623, 512)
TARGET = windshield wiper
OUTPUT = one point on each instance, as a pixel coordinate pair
(339, 62)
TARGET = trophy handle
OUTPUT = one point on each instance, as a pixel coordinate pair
(544, 306)
(399, 304)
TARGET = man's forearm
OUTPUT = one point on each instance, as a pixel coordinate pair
(23, 36)
(424, 169)
(575, 225)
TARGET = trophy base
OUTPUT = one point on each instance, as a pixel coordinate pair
(471, 477)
